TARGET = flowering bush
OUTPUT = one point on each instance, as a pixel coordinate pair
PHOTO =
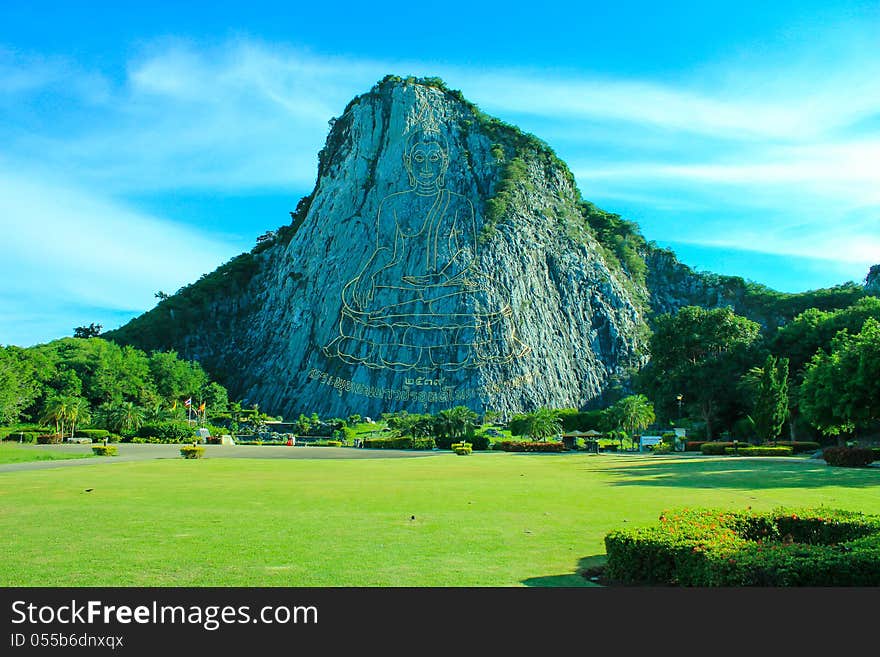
(531, 446)
(814, 547)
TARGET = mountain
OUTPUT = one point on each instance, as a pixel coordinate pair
(443, 258)
(872, 281)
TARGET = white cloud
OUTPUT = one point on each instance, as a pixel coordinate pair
(243, 115)
(62, 242)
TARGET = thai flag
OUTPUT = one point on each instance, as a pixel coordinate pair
(188, 402)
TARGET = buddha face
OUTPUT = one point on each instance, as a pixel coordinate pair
(426, 164)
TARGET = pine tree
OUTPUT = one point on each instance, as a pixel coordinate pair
(771, 399)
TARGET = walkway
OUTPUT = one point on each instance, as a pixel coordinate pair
(146, 452)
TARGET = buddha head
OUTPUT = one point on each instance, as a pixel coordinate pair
(426, 158)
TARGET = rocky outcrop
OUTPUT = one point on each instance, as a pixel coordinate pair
(872, 281)
(442, 259)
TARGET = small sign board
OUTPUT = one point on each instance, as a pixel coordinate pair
(645, 441)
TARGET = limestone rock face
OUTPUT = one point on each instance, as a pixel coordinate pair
(872, 281)
(441, 261)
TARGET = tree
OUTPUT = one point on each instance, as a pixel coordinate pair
(91, 331)
(769, 388)
(18, 387)
(56, 411)
(125, 417)
(162, 296)
(543, 423)
(633, 413)
(215, 397)
(415, 425)
(701, 354)
(78, 411)
(841, 389)
(801, 338)
(176, 378)
(456, 423)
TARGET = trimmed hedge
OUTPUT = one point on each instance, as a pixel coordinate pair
(462, 448)
(718, 448)
(23, 437)
(849, 457)
(399, 442)
(192, 451)
(694, 445)
(759, 451)
(813, 547)
(797, 446)
(94, 434)
(104, 450)
(477, 441)
(167, 432)
(49, 439)
(530, 446)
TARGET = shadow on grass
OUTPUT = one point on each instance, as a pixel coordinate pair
(570, 580)
(736, 472)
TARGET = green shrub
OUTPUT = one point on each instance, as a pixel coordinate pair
(49, 439)
(759, 451)
(694, 445)
(662, 448)
(479, 442)
(94, 434)
(167, 432)
(192, 451)
(462, 448)
(848, 457)
(531, 446)
(718, 448)
(22, 436)
(423, 443)
(813, 547)
(797, 446)
(324, 443)
(397, 442)
(105, 450)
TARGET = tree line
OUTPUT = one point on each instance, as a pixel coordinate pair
(78, 382)
(819, 373)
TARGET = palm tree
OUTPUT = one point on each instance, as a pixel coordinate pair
(155, 413)
(544, 423)
(78, 411)
(55, 411)
(125, 417)
(456, 422)
(633, 413)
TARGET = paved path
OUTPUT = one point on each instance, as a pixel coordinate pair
(145, 452)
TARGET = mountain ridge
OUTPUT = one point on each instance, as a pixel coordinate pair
(286, 298)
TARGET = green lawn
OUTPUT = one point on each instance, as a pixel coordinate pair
(11, 452)
(489, 519)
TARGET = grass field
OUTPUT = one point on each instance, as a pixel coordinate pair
(13, 453)
(489, 519)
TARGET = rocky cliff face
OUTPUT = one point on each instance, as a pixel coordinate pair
(872, 281)
(442, 259)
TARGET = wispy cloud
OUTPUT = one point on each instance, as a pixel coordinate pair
(63, 243)
(788, 151)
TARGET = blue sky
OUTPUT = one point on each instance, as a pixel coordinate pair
(144, 144)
